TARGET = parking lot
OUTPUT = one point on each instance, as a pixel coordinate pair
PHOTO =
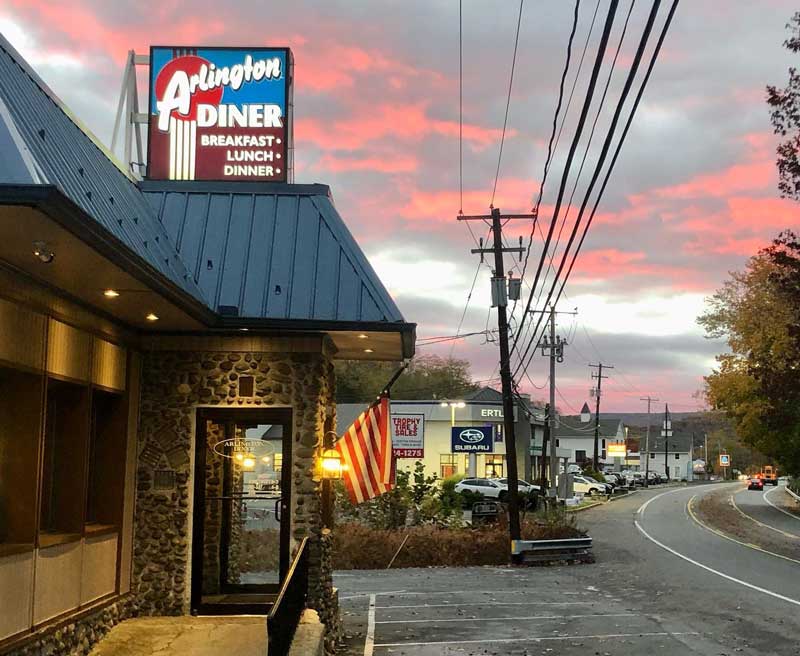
(496, 610)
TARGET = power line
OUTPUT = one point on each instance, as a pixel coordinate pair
(571, 155)
(607, 143)
(508, 104)
(466, 305)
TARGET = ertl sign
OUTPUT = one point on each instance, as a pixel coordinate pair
(219, 114)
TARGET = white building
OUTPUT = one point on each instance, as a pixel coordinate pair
(673, 453)
(575, 433)
(483, 408)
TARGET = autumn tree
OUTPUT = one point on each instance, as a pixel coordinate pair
(757, 383)
(427, 377)
(785, 115)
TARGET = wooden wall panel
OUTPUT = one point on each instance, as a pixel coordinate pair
(108, 365)
(21, 335)
(58, 581)
(99, 567)
(69, 351)
(16, 588)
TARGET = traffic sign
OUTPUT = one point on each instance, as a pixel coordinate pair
(724, 460)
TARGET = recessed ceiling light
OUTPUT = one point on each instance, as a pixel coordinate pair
(363, 336)
(110, 293)
(368, 351)
(152, 317)
(244, 330)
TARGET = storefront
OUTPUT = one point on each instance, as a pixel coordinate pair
(437, 419)
(166, 379)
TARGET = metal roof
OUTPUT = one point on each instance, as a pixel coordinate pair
(680, 441)
(279, 253)
(570, 426)
(270, 251)
(44, 144)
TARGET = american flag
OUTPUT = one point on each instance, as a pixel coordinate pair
(366, 450)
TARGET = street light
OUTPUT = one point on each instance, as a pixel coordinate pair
(473, 458)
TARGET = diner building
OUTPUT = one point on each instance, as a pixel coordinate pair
(166, 380)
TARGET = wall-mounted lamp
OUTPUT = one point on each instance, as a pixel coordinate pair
(43, 252)
(332, 466)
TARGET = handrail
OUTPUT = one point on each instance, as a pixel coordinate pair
(284, 616)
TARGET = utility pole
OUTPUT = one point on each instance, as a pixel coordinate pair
(599, 376)
(553, 347)
(666, 433)
(545, 440)
(500, 300)
(649, 400)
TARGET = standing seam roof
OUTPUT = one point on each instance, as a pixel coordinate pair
(67, 157)
(281, 255)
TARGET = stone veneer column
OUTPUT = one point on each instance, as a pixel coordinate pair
(180, 375)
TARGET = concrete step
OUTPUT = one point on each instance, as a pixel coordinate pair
(180, 636)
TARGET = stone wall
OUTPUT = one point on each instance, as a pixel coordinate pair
(76, 637)
(175, 382)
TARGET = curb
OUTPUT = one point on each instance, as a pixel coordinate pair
(586, 507)
(622, 496)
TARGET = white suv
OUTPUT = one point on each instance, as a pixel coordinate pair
(489, 488)
(589, 486)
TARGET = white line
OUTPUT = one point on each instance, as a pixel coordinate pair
(369, 642)
(714, 571)
(505, 619)
(785, 512)
(720, 534)
(172, 138)
(473, 592)
(601, 636)
(643, 507)
(192, 148)
(760, 523)
(496, 603)
(360, 595)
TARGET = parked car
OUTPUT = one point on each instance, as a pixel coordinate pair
(489, 488)
(613, 479)
(589, 486)
(522, 486)
(755, 483)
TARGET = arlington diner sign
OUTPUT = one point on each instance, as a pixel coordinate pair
(218, 114)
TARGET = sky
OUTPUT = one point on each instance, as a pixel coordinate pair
(694, 193)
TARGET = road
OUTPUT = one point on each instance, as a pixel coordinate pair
(662, 584)
(767, 509)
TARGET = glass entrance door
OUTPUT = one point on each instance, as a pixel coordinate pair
(241, 518)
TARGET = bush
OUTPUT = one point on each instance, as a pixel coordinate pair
(356, 546)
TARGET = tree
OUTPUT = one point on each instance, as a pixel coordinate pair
(785, 115)
(428, 376)
(758, 382)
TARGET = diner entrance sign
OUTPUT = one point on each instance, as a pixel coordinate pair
(219, 114)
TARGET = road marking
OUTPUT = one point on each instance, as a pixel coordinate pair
(471, 592)
(369, 641)
(785, 512)
(600, 636)
(505, 619)
(360, 595)
(644, 506)
(794, 536)
(749, 545)
(496, 603)
(712, 570)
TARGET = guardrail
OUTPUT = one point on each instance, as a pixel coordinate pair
(548, 550)
(284, 616)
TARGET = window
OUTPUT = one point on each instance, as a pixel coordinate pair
(20, 431)
(603, 454)
(277, 462)
(580, 456)
(66, 434)
(603, 445)
(493, 466)
(652, 456)
(677, 456)
(106, 450)
(447, 465)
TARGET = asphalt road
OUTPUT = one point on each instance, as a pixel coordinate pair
(767, 508)
(662, 584)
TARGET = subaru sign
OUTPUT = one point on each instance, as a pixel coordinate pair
(472, 439)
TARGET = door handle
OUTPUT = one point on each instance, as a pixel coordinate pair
(278, 509)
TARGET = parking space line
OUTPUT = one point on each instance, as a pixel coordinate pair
(496, 603)
(501, 619)
(599, 636)
(369, 641)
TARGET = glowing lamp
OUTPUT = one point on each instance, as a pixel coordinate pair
(332, 467)
(249, 461)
